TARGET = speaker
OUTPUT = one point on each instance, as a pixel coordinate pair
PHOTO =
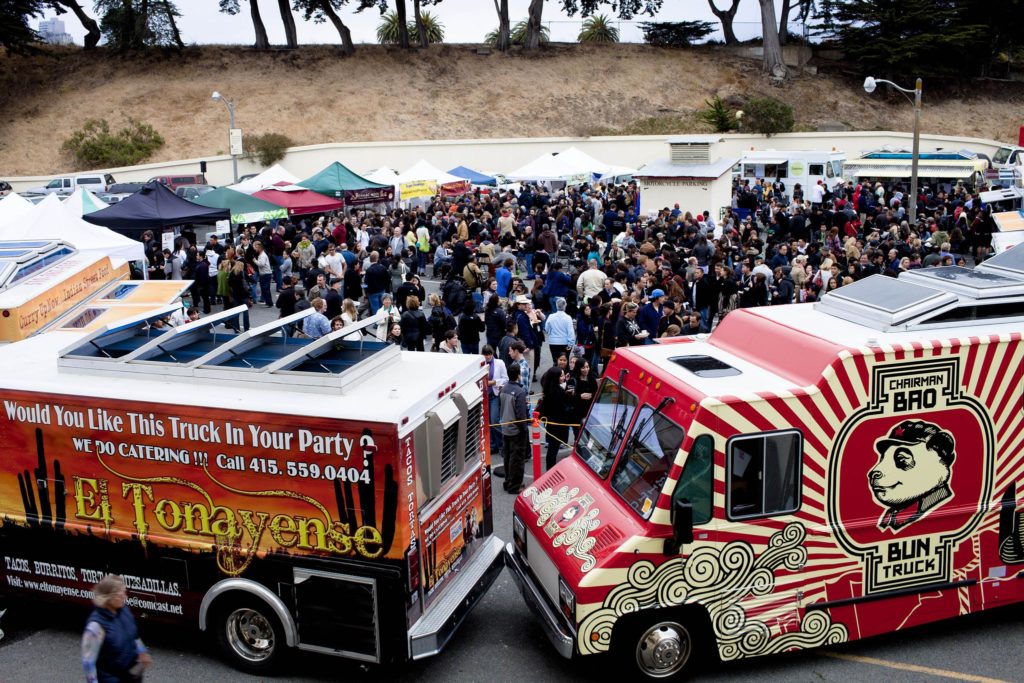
(202, 167)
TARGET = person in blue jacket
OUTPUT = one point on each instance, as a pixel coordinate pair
(650, 315)
(112, 651)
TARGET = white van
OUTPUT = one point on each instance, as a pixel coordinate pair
(792, 167)
(94, 182)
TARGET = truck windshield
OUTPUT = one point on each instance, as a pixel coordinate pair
(643, 467)
(1001, 156)
(605, 427)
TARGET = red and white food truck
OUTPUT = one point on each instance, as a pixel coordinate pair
(806, 475)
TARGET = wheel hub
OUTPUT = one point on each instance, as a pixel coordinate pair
(250, 634)
(663, 650)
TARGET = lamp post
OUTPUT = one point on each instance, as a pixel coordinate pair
(217, 97)
(869, 87)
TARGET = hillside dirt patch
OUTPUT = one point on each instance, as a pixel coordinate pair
(313, 95)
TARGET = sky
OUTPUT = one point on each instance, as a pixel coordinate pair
(465, 21)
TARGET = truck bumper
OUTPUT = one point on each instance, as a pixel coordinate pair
(434, 629)
(557, 632)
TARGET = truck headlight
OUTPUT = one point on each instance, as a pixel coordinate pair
(566, 600)
(519, 534)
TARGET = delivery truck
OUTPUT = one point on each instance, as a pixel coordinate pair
(805, 476)
(330, 495)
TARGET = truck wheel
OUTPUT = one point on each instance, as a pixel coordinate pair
(665, 648)
(250, 635)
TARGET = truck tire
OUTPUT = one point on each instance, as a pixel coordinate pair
(659, 647)
(249, 634)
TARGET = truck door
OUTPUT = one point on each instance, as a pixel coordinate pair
(763, 476)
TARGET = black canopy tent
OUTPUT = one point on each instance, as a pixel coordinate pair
(154, 207)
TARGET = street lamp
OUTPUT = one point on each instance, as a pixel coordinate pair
(217, 97)
(869, 87)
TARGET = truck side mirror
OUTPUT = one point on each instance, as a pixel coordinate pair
(682, 526)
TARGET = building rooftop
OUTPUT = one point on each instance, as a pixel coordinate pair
(663, 168)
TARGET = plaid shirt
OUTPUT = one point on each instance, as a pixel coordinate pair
(524, 372)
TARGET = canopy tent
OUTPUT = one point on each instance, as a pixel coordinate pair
(572, 166)
(341, 183)
(12, 206)
(154, 207)
(82, 201)
(298, 202)
(426, 180)
(473, 176)
(51, 220)
(275, 175)
(244, 208)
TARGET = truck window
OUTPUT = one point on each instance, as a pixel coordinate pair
(815, 169)
(829, 171)
(837, 168)
(764, 474)
(605, 428)
(1001, 156)
(53, 184)
(643, 467)
(696, 483)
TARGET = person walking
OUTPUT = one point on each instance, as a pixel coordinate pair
(112, 651)
(514, 444)
(558, 328)
(497, 376)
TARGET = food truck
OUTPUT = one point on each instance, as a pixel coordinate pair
(330, 495)
(805, 167)
(939, 169)
(856, 471)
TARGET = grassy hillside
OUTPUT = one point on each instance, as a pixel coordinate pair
(314, 96)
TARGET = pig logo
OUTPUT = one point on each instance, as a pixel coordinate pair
(913, 472)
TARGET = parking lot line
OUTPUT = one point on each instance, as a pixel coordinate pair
(915, 668)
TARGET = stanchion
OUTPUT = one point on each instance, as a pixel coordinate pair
(535, 445)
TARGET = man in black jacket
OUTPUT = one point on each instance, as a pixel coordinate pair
(378, 280)
(699, 294)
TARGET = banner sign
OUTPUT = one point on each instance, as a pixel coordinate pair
(370, 195)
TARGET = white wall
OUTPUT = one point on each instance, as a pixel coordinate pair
(505, 154)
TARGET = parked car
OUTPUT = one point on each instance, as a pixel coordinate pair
(191, 192)
(5, 188)
(65, 185)
(119, 191)
(176, 181)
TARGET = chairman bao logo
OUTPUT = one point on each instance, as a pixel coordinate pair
(909, 474)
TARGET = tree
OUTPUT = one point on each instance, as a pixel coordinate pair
(327, 10)
(517, 35)
(533, 26)
(726, 17)
(768, 116)
(16, 36)
(388, 34)
(675, 33)
(598, 29)
(291, 36)
(773, 63)
(803, 10)
(138, 24)
(503, 38)
(232, 7)
(901, 39)
(92, 29)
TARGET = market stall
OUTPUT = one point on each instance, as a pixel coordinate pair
(340, 182)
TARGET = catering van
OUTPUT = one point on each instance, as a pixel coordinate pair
(806, 475)
(330, 495)
(792, 167)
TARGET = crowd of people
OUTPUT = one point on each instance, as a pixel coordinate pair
(578, 270)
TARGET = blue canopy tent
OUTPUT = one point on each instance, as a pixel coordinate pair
(473, 176)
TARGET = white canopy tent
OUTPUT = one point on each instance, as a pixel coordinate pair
(12, 206)
(423, 179)
(269, 178)
(571, 166)
(52, 220)
(82, 201)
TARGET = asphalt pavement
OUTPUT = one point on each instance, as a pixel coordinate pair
(501, 641)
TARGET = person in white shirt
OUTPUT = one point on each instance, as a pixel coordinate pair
(816, 193)
(591, 281)
(333, 263)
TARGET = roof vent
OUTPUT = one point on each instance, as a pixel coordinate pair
(705, 366)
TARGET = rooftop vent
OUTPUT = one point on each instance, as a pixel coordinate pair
(705, 366)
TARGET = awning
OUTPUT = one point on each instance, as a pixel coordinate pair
(923, 171)
(298, 202)
(780, 160)
(1009, 221)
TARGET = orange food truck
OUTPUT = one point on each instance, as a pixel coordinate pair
(332, 495)
(804, 476)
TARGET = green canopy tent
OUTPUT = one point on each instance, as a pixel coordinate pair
(341, 183)
(244, 208)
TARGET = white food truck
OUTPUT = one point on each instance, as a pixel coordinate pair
(806, 167)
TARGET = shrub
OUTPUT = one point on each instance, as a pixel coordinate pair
(95, 146)
(768, 116)
(598, 29)
(718, 115)
(675, 33)
(267, 148)
(517, 34)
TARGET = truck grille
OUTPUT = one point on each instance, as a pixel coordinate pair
(449, 451)
(473, 422)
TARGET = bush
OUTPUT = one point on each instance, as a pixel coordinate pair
(268, 148)
(718, 115)
(675, 33)
(94, 146)
(768, 116)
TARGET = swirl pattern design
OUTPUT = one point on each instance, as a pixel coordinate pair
(718, 579)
